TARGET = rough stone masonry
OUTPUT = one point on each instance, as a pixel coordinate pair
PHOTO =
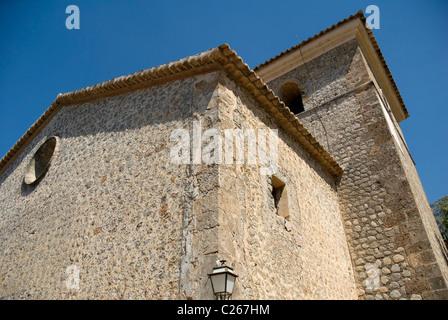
(106, 214)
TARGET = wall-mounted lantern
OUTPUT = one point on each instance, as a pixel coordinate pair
(223, 280)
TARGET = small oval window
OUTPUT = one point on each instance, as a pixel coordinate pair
(40, 161)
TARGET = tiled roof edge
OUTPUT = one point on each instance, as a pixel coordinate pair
(221, 57)
(114, 86)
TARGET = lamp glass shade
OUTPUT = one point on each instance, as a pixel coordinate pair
(223, 281)
(230, 282)
(219, 282)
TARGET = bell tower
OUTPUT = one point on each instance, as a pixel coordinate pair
(352, 106)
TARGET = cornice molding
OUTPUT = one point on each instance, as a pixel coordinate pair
(353, 27)
(307, 52)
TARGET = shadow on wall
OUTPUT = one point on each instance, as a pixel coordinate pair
(171, 104)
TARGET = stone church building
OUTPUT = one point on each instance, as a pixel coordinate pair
(92, 205)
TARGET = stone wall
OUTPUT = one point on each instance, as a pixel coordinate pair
(112, 218)
(302, 257)
(390, 229)
(428, 255)
(115, 218)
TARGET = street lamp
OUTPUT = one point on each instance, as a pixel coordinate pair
(223, 280)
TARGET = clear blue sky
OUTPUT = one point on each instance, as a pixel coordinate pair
(40, 57)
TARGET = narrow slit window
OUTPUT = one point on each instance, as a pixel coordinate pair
(280, 196)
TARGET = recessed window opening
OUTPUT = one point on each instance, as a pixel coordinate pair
(291, 95)
(280, 195)
(40, 161)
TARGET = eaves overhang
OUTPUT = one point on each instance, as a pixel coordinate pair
(219, 58)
